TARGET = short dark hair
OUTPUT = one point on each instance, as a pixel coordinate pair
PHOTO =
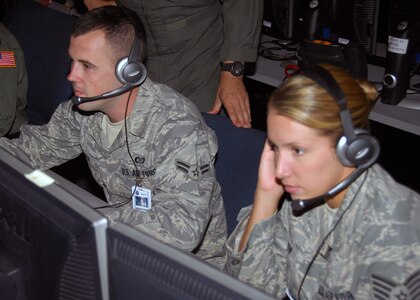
(120, 25)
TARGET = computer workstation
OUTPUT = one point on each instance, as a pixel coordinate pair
(339, 24)
(404, 116)
(54, 245)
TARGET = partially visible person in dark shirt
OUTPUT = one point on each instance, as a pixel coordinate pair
(13, 84)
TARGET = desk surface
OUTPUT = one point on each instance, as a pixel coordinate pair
(404, 116)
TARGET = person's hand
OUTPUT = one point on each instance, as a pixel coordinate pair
(234, 97)
(91, 4)
(267, 194)
(268, 184)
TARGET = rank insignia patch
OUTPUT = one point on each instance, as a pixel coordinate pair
(193, 171)
(385, 289)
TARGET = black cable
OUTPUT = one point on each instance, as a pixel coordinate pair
(328, 234)
(283, 44)
(412, 91)
(137, 184)
(268, 52)
(379, 95)
(279, 45)
(413, 71)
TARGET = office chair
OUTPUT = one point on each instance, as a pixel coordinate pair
(44, 35)
(236, 163)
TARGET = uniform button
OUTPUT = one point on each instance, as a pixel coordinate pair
(235, 261)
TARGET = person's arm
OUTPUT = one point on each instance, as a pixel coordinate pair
(22, 92)
(13, 81)
(257, 250)
(262, 261)
(8, 98)
(49, 145)
(242, 27)
(267, 194)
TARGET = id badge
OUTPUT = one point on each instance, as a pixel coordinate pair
(142, 198)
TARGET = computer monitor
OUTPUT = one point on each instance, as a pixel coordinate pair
(333, 20)
(141, 267)
(354, 20)
(52, 244)
(282, 19)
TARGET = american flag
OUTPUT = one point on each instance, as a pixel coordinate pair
(7, 59)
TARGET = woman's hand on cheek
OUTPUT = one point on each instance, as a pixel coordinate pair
(268, 183)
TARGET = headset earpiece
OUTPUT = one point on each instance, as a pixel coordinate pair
(129, 70)
(356, 148)
(130, 73)
(362, 151)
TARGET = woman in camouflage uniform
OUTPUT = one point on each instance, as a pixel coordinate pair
(357, 234)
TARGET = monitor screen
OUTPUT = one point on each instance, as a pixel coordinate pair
(141, 267)
(333, 20)
(52, 244)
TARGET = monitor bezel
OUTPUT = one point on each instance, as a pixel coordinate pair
(71, 197)
(121, 239)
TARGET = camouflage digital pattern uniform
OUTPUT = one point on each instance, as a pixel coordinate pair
(187, 40)
(174, 152)
(13, 84)
(372, 253)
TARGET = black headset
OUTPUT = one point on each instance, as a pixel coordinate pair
(129, 70)
(356, 147)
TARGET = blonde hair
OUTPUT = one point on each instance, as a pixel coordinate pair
(303, 100)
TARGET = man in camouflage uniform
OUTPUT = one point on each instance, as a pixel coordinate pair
(150, 140)
(13, 84)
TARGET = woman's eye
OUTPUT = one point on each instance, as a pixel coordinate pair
(272, 146)
(298, 151)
